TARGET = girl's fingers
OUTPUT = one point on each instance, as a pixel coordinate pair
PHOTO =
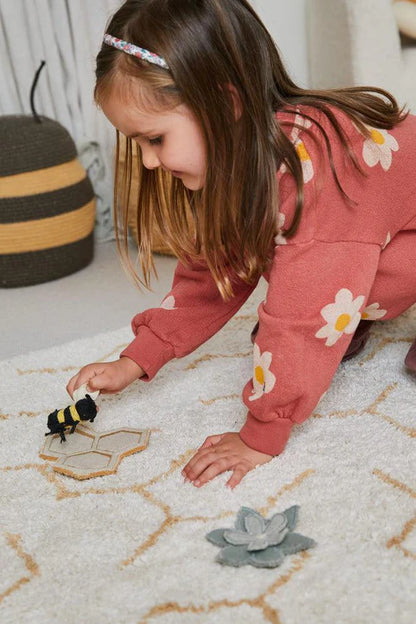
(85, 375)
(238, 473)
(213, 457)
(103, 382)
(98, 382)
(214, 469)
(198, 463)
(212, 440)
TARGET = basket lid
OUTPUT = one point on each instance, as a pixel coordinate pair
(28, 145)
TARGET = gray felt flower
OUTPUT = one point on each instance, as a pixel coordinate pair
(259, 542)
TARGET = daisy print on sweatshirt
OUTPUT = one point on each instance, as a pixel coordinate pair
(387, 241)
(373, 312)
(280, 238)
(168, 303)
(306, 162)
(378, 148)
(263, 378)
(302, 152)
(342, 316)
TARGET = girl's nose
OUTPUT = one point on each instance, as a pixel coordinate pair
(150, 158)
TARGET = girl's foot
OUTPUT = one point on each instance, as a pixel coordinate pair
(254, 332)
(410, 360)
(359, 340)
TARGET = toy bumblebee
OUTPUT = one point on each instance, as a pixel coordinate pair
(60, 421)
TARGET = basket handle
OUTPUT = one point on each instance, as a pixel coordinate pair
(32, 92)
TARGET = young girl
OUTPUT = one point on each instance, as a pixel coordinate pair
(245, 174)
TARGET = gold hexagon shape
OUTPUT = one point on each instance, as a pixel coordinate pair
(124, 441)
(87, 464)
(86, 454)
(83, 439)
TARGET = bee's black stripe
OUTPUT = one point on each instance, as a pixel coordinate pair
(68, 417)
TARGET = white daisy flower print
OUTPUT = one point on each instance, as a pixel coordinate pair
(300, 121)
(373, 312)
(342, 317)
(387, 241)
(168, 303)
(306, 162)
(305, 159)
(263, 378)
(282, 168)
(379, 147)
(280, 238)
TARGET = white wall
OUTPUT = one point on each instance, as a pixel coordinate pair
(286, 21)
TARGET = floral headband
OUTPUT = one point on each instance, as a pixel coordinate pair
(130, 48)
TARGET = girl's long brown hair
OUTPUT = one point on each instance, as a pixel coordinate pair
(210, 45)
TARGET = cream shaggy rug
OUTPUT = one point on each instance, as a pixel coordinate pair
(131, 547)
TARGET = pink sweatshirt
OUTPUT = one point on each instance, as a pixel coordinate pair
(347, 261)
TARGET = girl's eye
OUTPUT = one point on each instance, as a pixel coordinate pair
(155, 141)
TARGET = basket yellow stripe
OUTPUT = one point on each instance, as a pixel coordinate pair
(46, 233)
(42, 180)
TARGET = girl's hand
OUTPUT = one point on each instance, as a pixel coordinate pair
(107, 377)
(223, 452)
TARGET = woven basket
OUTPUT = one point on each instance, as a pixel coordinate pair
(47, 204)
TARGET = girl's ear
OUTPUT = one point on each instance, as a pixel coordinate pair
(238, 107)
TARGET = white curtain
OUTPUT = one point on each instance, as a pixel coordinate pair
(67, 35)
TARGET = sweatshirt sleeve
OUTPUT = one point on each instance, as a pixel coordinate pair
(188, 316)
(317, 293)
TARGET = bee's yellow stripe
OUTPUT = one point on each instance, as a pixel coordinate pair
(61, 416)
(74, 413)
(42, 180)
(41, 234)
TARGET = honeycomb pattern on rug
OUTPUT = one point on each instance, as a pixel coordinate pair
(139, 535)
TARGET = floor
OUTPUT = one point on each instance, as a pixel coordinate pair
(96, 299)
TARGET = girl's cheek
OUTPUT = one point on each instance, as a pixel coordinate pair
(169, 159)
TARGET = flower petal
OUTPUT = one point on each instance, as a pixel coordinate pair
(241, 517)
(371, 154)
(236, 537)
(344, 297)
(292, 516)
(392, 142)
(259, 543)
(324, 332)
(168, 303)
(217, 537)
(270, 558)
(295, 542)
(269, 381)
(385, 160)
(352, 325)
(256, 395)
(358, 302)
(329, 311)
(265, 359)
(254, 524)
(373, 312)
(234, 556)
(277, 530)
